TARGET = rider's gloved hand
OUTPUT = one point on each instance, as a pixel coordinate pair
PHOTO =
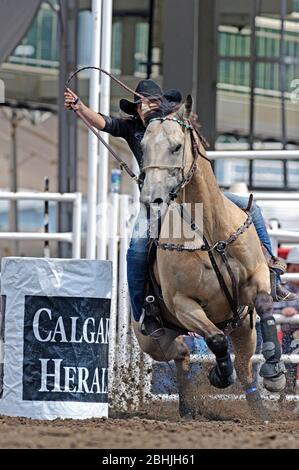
(72, 101)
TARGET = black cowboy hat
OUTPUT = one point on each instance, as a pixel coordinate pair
(148, 88)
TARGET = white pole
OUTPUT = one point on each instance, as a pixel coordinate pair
(28, 196)
(274, 240)
(94, 90)
(77, 214)
(105, 109)
(146, 379)
(41, 236)
(135, 368)
(254, 154)
(290, 277)
(123, 293)
(221, 396)
(113, 256)
(123, 299)
(210, 359)
(136, 192)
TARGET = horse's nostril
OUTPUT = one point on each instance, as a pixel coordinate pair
(158, 200)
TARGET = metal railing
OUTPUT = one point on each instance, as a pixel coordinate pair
(73, 237)
(254, 154)
(278, 235)
(284, 156)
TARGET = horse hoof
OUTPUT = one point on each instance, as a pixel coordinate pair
(275, 384)
(188, 417)
(219, 381)
(257, 407)
(186, 412)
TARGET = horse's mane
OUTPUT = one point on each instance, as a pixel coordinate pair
(168, 107)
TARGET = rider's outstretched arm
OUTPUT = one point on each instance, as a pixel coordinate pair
(71, 101)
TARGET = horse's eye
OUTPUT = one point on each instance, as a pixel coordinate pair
(176, 148)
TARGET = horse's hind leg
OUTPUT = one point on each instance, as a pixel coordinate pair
(244, 343)
(273, 370)
(192, 316)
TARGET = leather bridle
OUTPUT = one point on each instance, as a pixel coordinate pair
(187, 125)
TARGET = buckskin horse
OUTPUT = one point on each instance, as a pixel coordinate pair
(214, 288)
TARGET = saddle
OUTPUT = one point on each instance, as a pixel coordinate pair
(154, 304)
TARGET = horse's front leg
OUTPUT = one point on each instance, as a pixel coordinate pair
(244, 343)
(167, 348)
(192, 316)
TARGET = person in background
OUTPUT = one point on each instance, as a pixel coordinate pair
(290, 339)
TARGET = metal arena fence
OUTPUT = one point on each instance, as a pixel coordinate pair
(74, 237)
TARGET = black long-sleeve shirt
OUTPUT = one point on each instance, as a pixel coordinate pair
(131, 129)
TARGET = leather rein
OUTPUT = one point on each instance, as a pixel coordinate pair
(220, 247)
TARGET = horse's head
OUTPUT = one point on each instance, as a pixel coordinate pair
(166, 155)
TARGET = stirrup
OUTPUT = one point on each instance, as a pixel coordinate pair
(278, 265)
(151, 307)
(151, 326)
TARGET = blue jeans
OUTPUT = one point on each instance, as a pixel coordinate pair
(137, 269)
(137, 266)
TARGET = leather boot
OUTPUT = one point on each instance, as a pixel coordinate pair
(278, 267)
(279, 291)
(282, 293)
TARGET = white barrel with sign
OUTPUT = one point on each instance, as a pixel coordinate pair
(54, 329)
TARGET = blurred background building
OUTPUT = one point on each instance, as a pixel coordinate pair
(239, 60)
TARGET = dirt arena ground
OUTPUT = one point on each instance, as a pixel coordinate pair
(227, 427)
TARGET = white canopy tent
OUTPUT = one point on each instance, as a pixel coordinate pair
(15, 19)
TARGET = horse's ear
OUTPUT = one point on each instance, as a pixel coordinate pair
(181, 111)
(188, 106)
